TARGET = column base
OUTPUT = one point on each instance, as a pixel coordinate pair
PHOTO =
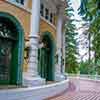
(59, 77)
(33, 81)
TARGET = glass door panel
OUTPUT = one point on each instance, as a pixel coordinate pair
(43, 62)
(5, 60)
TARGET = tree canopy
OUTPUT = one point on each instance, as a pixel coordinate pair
(70, 41)
(90, 11)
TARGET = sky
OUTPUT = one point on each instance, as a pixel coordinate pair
(82, 50)
(76, 4)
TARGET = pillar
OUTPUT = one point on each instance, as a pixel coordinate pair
(31, 77)
(59, 75)
(64, 52)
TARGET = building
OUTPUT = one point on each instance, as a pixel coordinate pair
(31, 41)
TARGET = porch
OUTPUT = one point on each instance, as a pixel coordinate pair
(76, 87)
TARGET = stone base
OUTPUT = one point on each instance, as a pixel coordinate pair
(59, 77)
(33, 81)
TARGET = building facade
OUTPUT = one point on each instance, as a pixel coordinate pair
(31, 39)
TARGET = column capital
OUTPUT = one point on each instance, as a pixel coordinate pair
(60, 10)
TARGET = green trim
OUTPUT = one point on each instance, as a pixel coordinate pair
(47, 70)
(17, 54)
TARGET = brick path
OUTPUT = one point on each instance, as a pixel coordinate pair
(85, 90)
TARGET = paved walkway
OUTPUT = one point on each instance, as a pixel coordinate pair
(80, 90)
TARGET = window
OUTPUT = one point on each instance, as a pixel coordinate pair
(46, 14)
(20, 1)
(54, 19)
(51, 17)
(42, 10)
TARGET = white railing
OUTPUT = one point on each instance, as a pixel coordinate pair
(95, 77)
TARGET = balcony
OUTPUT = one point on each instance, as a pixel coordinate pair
(21, 4)
(77, 87)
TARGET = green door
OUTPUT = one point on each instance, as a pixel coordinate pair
(7, 40)
(43, 62)
(11, 50)
(5, 60)
(46, 57)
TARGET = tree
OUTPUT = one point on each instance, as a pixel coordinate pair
(70, 42)
(85, 68)
(90, 11)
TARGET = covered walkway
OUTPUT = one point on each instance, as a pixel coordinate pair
(80, 89)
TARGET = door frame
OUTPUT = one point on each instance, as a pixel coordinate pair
(51, 67)
(17, 59)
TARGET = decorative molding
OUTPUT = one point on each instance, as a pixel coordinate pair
(34, 37)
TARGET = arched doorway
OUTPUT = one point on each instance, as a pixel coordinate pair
(11, 50)
(46, 57)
